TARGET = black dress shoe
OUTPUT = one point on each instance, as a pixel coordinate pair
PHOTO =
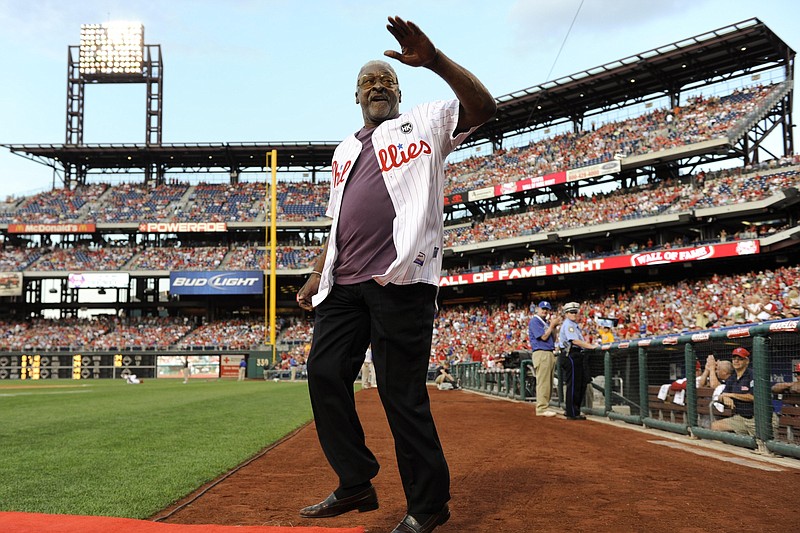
(579, 417)
(410, 524)
(366, 500)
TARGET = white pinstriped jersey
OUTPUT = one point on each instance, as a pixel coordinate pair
(411, 151)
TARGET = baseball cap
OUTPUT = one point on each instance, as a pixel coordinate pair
(544, 304)
(572, 306)
(797, 368)
(741, 352)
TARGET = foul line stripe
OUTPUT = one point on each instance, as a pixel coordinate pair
(40, 393)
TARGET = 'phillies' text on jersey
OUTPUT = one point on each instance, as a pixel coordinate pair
(394, 156)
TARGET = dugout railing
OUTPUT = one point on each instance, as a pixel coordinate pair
(649, 367)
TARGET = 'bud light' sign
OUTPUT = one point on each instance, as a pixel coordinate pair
(220, 283)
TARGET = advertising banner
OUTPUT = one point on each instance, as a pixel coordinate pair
(645, 259)
(480, 194)
(536, 182)
(182, 227)
(97, 280)
(10, 283)
(594, 171)
(200, 366)
(220, 283)
(52, 228)
(229, 366)
(512, 187)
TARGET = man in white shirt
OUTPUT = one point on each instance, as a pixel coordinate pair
(377, 278)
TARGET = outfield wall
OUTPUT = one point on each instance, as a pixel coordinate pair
(162, 364)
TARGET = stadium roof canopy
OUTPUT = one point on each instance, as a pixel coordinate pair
(744, 48)
(298, 156)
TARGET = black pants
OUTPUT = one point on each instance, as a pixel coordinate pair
(398, 321)
(575, 376)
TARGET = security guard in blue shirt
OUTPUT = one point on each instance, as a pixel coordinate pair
(573, 361)
(542, 334)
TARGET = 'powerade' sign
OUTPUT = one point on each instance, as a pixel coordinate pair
(220, 283)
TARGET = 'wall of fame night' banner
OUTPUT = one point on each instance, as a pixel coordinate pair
(644, 259)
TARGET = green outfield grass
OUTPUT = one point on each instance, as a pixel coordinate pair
(109, 448)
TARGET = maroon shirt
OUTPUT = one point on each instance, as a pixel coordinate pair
(364, 236)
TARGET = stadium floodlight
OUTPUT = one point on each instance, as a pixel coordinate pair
(112, 51)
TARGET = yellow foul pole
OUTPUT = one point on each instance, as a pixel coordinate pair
(273, 253)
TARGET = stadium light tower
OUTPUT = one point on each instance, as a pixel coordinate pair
(113, 52)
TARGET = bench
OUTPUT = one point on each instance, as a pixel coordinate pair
(789, 419)
(665, 410)
(705, 413)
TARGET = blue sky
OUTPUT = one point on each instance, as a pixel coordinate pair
(275, 70)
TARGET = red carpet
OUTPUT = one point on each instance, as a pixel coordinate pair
(53, 523)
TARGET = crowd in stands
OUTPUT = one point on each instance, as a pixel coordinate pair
(701, 119)
(295, 344)
(723, 188)
(81, 258)
(699, 304)
(257, 258)
(84, 258)
(476, 332)
(464, 332)
(232, 334)
(220, 202)
(138, 202)
(8, 208)
(180, 258)
(42, 334)
(14, 259)
(479, 333)
(702, 190)
(57, 205)
(131, 202)
(298, 332)
(142, 333)
(488, 333)
(302, 201)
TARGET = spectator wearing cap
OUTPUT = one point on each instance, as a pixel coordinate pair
(791, 387)
(542, 333)
(574, 362)
(738, 395)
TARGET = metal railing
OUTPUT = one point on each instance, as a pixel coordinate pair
(653, 363)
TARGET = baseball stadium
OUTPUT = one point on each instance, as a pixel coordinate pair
(153, 353)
